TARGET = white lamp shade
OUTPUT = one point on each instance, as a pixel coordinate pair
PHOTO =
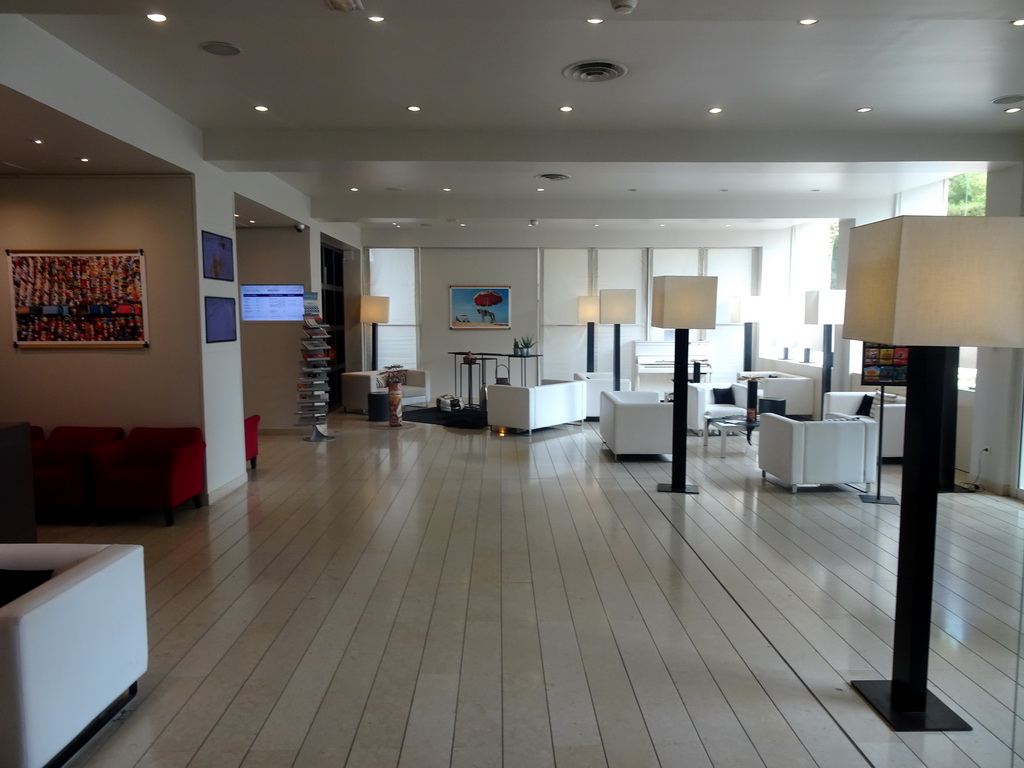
(618, 305)
(824, 307)
(679, 301)
(937, 281)
(589, 309)
(374, 309)
(746, 309)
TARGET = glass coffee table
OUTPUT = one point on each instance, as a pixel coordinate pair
(727, 425)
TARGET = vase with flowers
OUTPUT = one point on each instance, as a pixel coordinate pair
(393, 377)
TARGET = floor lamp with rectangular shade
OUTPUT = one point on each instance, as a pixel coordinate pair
(682, 303)
(618, 306)
(374, 310)
(589, 311)
(928, 283)
(825, 308)
(747, 310)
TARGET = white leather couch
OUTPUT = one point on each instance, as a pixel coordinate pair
(357, 385)
(701, 405)
(69, 648)
(798, 391)
(530, 408)
(894, 418)
(598, 382)
(817, 452)
(636, 422)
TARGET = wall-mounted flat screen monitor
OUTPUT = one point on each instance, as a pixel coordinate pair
(220, 319)
(218, 257)
(272, 302)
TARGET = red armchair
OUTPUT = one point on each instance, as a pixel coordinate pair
(252, 440)
(155, 468)
(62, 466)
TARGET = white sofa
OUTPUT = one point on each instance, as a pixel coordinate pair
(530, 408)
(838, 452)
(798, 391)
(636, 422)
(894, 418)
(701, 405)
(357, 385)
(598, 382)
(69, 648)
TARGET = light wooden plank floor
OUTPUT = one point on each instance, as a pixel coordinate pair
(426, 597)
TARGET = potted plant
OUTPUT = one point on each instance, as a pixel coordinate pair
(393, 377)
(526, 344)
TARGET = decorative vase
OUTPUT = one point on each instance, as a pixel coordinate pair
(395, 404)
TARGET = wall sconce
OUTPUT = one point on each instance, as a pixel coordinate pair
(929, 283)
(682, 303)
(374, 310)
(589, 311)
(618, 306)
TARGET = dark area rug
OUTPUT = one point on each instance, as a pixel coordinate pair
(470, 418)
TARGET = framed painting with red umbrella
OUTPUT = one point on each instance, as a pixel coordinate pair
(474, 307)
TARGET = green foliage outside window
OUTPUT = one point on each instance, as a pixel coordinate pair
(966, 195)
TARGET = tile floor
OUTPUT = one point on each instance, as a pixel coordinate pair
(427, 597)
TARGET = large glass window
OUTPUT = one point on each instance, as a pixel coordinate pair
(393, 274)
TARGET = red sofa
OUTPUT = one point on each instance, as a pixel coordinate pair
(155, 468)
(62, 466)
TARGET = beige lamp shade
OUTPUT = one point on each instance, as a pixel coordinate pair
(940, 281)
(679, 301)
(588, 309)
(746, 309)
(618, 305)
(824, 307)
(374, 309)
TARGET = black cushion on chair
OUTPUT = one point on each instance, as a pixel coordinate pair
(724, 396)
(864, 409)
(14, 584)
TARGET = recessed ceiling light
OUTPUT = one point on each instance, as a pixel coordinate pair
(376, 19)
(715, 110)
(446, 189)
(540, 189)
(1013, 98)
(815, 190)
(597, 225)
(261, 108)
(1012, 110)
(723, 190)
(462, 225)
(595, 21)
(252, 221)
(236, 215)
(353, 189)
(413, 108)
(864, 109)
(1018, 22)
(631, 189)
(661, 225)
(37, 141)
(84, 159)
(157, 17)
(565, 109)
(808, 22)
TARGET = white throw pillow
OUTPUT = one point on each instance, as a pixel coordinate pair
(876, 402)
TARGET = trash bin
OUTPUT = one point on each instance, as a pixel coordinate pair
(377, 406)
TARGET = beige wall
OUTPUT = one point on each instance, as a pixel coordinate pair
(157, 386)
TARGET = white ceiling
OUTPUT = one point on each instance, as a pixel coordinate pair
(641, 151)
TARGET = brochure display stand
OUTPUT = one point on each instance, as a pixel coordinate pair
(314, 387)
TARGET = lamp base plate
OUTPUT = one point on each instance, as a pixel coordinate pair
(870, 498)
(669, 488)
(935, 717)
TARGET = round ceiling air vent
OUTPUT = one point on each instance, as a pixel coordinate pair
(552, 176)
(218, 48)
(594, 71)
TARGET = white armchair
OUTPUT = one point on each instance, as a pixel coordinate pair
(840, 452)
(530, 408)
(894, 418)
(598, 382)
(70, 648)
(798, 391)
(357, 385)
(701, 405)
(636, 422)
